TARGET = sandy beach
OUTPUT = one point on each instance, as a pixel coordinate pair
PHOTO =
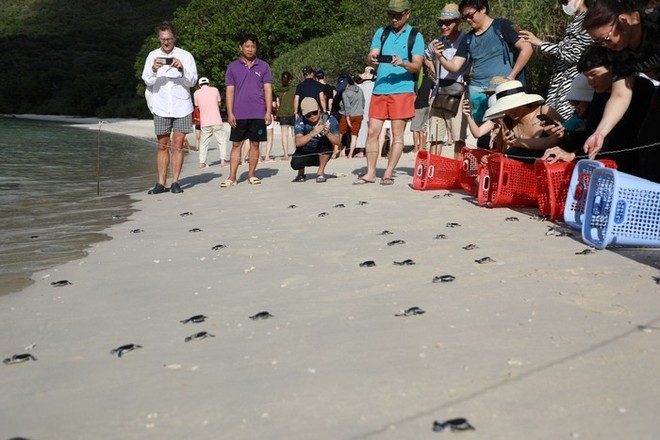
(543, 342)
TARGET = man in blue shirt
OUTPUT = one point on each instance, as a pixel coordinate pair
(394, 92)
(316, 138)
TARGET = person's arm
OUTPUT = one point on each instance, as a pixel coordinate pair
(296, 103)
(322, 101)
(268, 96)
(454, 65)
(430, 65)
(476, 129)
(526, 52)
(229, 96)
(303, 139)
(615, 108)
(151, 66)
(556, 154)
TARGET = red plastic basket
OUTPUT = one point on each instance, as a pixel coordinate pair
(435, 172)
(506, 182)
(552, 181)
(469, 172)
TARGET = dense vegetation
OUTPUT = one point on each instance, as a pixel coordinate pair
(85, 57)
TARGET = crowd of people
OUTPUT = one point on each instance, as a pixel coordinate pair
(602, 98)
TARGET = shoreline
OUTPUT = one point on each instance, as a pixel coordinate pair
(542, 343)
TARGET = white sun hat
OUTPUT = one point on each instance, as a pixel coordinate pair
(509, 95)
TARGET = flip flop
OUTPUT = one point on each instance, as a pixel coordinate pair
(227, 183)
(363, 181)
(386, 181)
(254, 181)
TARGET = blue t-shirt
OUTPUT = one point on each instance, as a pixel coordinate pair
(391, 80)
(490, 55)
(303, 127)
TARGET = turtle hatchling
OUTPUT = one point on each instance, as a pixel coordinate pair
(292, 206)
(444, 279)
(323, 214)
(368, 263)
(194, 319)
(261, 315)
(185, 214)
(199, 336)
(440, 237)
(340, 205)
(484, 260)
(19, 358)
(407, 262)
(412, 311)
(195, 230)
(217, 247)
(361, 203)
(396, 242)
(470, 247)
(120, 351)
(60, 283)
(453, 225)
(386, 232)
(136, 231)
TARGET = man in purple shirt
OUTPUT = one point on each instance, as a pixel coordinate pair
(249, 104)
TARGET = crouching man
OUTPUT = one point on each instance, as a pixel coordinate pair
(315, 136)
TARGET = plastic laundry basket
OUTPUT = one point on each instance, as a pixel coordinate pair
(576, 196)
(435, 172)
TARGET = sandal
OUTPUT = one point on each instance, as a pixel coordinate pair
(387, 181)
(363, 181)
(227, 183)
(254, 181)
(321, 178)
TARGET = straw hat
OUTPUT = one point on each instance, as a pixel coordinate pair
(368, 73)
(511, 95)
(580, 90)
(494, 82)
(449, 12)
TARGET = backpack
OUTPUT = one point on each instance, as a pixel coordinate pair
(510, 51)
(411, 42)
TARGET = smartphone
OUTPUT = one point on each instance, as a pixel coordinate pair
(165, 60)
(324, 118)
(516, 28)
(446, 43)
(385, 58)
(547, 120)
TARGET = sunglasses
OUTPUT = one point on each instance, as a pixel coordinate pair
(396, 15)
(310, 114)
(606, 38)
(445, 22)
(469, 16)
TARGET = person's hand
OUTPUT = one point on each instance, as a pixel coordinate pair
(556, 154)
(177, 64)
(397, 61)
(438, 48)
(530, 38)
(509, 137)
(373, 58)
(231, 119)
(467, 109)
(318, 129)
(593, 145)
(157, 65)
(555, 130)
(268, 119)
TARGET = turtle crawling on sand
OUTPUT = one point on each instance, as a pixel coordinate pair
(119, 351)
(199, 336)
(18, 359)
(194, 319)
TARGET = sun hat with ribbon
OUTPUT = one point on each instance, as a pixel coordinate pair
(510, 95)
(449, 12)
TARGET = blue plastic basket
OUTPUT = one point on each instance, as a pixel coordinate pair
(577, 191)
(621, 210)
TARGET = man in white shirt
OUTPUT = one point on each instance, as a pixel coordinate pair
(170, 72)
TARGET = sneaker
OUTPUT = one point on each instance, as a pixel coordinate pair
(300, 178)
(158, 189)
(321, 178)
(175, 188)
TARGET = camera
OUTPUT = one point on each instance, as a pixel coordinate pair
(165, 60)
(385, 58)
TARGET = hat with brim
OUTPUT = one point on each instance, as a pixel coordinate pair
(580, 90)
(449, 13)
(308, 105)
(509, 96)
(367, 74)
(494, 82)
(398, 5)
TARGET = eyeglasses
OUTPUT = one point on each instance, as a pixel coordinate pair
(469, 16)
(608, 37)
(396, 15)
(166, 40)
(310, 114)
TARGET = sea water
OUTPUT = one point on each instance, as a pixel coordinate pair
(60, 187)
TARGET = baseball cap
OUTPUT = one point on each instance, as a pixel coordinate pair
(398, 5)
(308, 105)
(203, 80)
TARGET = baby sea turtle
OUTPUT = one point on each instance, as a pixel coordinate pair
(217, 247)
(33, 237)
(448, 195)
(292, 206)
(136, 231)
(195, 230)
(437, 196)
(453, 225)
(199, 336)
(194, 319)
(412, 311)
(396, 242)
(440, 237)
(484, 260)
(470, 247)
(407, 262)
(443, 278)
(19, 358)
(368, 263)
(459, 424)
(586, 251)
(361, 203)
(261, 315)
(386, 232)
(557, 232)
(340, 205)
(186, 214)
(323, 214)
(119, 351)
(117, 217)
(512, 219)
(61, 283)
(656, 279)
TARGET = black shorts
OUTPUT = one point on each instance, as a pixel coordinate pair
(301, 159)
(252, 129)
(287, 120)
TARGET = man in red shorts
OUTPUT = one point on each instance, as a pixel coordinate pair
(394, 92)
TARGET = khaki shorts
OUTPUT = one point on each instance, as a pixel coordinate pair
(443, 122)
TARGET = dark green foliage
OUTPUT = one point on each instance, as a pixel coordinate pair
(85, 57)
